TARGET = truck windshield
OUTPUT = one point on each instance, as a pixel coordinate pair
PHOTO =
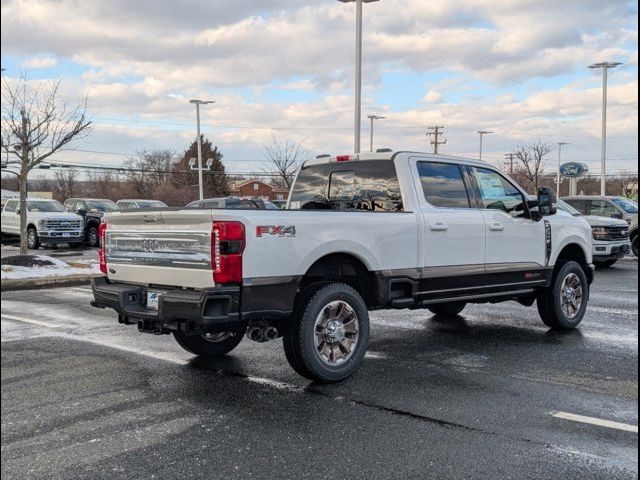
(367, 185)
(151, 204)
(101, 206)
(565, 207)
(627, 205)
(44, 206)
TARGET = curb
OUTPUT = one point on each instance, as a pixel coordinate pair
(46, 282)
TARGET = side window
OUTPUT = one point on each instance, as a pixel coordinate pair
(581, 205)
(69, 205)
(11, 206)
(497, 193)
(211, 204)
(443, 185)
(602, 208)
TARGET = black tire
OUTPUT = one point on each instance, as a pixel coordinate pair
(606, 263)
(300, 339)
(92, 237)
(447, 309)
(201, 346)
(634, 244)
(550, 303)
(33, 241)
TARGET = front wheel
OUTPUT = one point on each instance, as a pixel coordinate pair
(634, 244)
(210, 345)
(33, 241)
(564, 303)
(328, 341)
(92, 237)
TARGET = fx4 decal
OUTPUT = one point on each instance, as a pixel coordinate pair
(276, 230)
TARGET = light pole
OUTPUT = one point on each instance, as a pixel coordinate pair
(372, 118)
(560, 145)
(482, 133)
(358, 100)
(605, 66)
(197, 103)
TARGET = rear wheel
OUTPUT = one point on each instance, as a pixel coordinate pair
(447, 309)
(634, 244)
(328, 340)
(210, 345)
(563, 305)
(33, 241)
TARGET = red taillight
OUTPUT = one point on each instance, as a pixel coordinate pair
(102, 255)
(343, 158)
(227, 245)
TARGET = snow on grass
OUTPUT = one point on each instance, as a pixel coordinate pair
(57, 269)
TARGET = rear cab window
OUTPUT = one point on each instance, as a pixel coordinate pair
(360, 185)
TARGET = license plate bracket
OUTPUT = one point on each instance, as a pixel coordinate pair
(153, 299)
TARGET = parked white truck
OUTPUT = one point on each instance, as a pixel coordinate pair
(47, 223)
(363, 232)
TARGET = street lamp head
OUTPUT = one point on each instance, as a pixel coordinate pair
(484, 132)
(563, 143)
(375, 117)
(353, 1)
(605, 65)
(201, 102)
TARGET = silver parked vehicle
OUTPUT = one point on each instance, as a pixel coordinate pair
(611, 207)
(132, 204)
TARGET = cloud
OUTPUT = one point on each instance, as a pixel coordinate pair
(39, 62)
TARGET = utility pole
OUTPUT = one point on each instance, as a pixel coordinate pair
(197, 103)
(358, 89)
(605, 66)
(482, 133)
(510, 157)
(435, 133)
(559, 179)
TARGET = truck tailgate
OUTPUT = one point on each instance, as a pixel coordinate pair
(165, 247)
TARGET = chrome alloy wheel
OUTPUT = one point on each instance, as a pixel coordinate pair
(217, 337)
(336, 333)
(571, 295)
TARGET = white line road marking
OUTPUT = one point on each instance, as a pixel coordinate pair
(596, 421)
(164, 356)
(78, 289)
(376, 355)
(31, 321)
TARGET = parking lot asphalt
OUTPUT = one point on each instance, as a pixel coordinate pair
(490, 394)
(63, 251)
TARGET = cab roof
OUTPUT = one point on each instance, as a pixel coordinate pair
(390, 155)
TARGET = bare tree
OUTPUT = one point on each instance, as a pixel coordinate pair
(531, 162)
(149, 169)
(36, 123)
(285, 157)
(65, 183)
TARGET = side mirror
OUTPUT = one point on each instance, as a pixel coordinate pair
(617, 215)
(81, 211)
(546, 201)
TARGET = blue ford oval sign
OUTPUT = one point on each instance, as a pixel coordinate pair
(573, 169)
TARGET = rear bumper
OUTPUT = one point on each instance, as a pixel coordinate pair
(193, 312)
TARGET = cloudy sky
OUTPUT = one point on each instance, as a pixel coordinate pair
(285, 67)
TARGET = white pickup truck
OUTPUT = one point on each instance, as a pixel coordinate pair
(47, 223)
(362, 232)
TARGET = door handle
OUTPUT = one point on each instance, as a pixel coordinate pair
(438, 227)
(496, 227)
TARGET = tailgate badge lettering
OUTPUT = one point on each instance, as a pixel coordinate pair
(276, 230)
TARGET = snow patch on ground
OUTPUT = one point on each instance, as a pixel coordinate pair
(57, 269)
